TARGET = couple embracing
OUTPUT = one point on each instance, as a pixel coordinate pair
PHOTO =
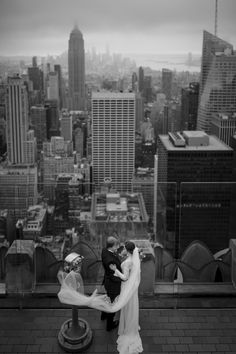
(121, 282)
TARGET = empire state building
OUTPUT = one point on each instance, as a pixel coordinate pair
(76, 67)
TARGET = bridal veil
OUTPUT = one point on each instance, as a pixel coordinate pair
(71, 294)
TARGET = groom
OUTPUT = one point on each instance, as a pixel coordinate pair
(111, 283)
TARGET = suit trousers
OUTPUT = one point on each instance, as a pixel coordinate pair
(110, 316)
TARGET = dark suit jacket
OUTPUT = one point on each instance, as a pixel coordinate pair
(111, 283)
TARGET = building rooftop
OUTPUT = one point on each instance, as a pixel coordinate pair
(113, 95)
(225, 116)
(35, 330)
(118, 207)
(194, 133)
(214, 145)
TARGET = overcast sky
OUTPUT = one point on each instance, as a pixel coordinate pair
(41, 27)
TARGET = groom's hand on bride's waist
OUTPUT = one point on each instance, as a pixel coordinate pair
(112, 267)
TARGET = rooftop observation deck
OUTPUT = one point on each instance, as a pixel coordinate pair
(192, 308)
(162, 331)
(190, 318)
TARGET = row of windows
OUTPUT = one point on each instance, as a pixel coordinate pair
(116, 103)
(104, 159)
(115, 121)
(113, 116)
(100, 149)
(131, 100)
(113, 158)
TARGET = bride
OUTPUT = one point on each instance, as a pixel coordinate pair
(129, 341)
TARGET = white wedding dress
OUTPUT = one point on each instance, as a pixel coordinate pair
(129, 341)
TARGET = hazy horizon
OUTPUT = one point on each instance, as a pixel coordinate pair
(102, 52)
(32, 27)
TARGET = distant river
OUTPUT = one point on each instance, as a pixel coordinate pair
(178, 62)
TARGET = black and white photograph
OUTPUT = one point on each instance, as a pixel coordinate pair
(118, 176)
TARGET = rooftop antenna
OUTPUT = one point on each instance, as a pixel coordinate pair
(75, 24)
(216, 17)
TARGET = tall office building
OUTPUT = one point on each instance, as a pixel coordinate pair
(35, 75)
(34, 62)
(217, 83)
(134, 82)
(20, 142)
(38, 119)
(36, 78)
(167, 80)
(2, 100)
(53, 87)
(79, 141)
(140, 79)
(52, 117)
(223, 126)
(147, 89)
(2, 118)
(113, 138)
(194, 171)
(57, 157)
(2, 136)
(232, 144)
(66, 126)
(76, 66)
(57, 69)
(189, 106)
(171, 118)
(18, 189)
(139, 111)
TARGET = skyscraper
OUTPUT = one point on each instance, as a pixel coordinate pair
(57, 69)
(36, 75)
(224, 126)
(18, 189)
(167, 78)
(79, 141)
(52, 118)
(76, 67)
(200, 166)
(139, 111)
(217, 83)
(134, 82)
(20, 141)
(53, 87)
(189, 106)
(113, 138)
(66, 126)
(140, 79)
(147, 89)
(38, 118)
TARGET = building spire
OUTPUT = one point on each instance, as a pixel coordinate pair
(76, 24)
(216, 17)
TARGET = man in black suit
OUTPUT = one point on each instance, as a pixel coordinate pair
(111, 283)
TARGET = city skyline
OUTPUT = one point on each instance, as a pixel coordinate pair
(29, 28)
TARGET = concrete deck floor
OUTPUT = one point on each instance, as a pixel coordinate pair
(168, 331)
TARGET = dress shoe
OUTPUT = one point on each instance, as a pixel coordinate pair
(114, 325)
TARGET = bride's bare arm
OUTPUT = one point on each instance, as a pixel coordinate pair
(125, 275)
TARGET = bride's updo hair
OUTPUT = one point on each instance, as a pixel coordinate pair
(130, 246)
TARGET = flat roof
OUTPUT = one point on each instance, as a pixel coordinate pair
(113, 95)
(214, 145)
(194, 133)
(131, 205)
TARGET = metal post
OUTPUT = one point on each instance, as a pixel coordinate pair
(75, 335)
